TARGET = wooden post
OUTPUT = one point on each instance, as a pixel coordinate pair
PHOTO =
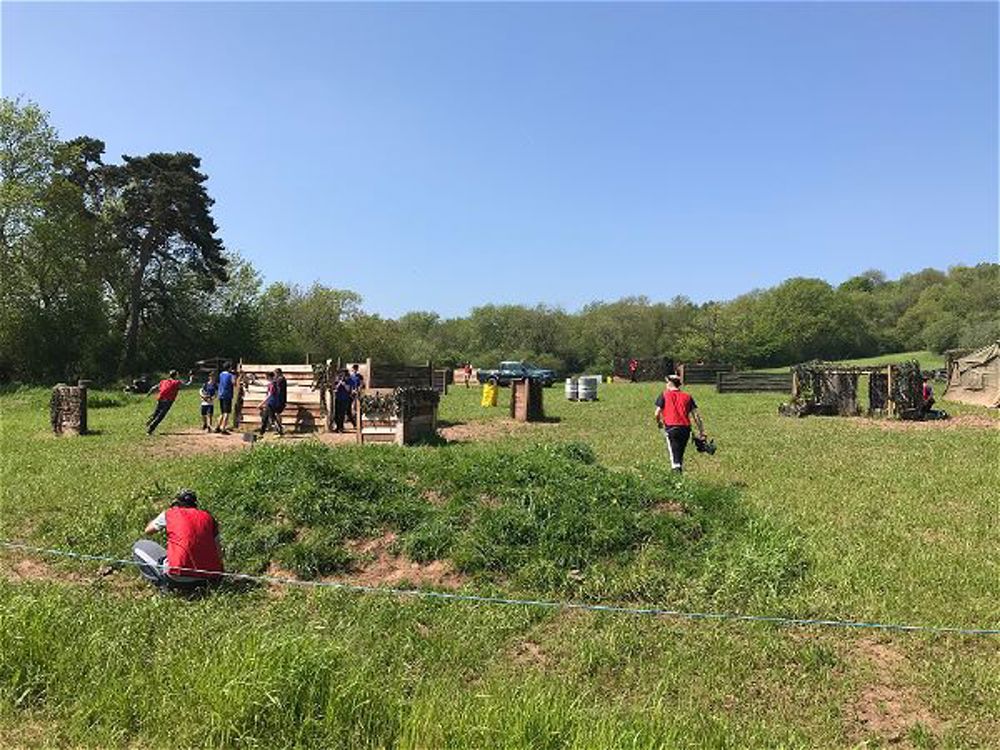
(795, 384)
(890, 404)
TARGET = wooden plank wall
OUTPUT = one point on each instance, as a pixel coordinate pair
(400, 376)
(703, 374)
(304, 411)
(440, 380)
(754, 382)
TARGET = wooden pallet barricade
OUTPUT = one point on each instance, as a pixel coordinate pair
(526, 400)
(397, 416)
(754, 382)
(305, 410)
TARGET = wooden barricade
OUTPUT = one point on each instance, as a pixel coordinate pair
(754, 382)
(458, 376)
(702, 373)
(526, 400)
(414, 422)
(304, 410)
(68, 409)
(398, 376)
(440, 380)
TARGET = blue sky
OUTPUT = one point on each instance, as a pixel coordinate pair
(425, 155)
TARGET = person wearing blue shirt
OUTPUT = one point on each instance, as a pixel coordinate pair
(227, 382)
(356, 384)
(208, 393)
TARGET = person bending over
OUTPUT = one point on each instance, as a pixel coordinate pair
(193, 556)
(674, 411)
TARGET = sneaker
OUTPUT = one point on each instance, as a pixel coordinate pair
(218, 430)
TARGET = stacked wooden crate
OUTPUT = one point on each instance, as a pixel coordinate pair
(304, 410)
(411, 417)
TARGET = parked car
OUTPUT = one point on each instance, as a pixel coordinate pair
(514, 370)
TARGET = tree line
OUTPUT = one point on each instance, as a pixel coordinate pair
(111, 270)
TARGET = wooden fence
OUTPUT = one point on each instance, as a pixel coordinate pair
(702, 373)
(754, 382)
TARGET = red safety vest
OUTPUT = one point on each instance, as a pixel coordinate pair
(676, 407)
(191, 543)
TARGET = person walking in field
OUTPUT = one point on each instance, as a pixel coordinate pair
(227, 381)
(167, 391)
(674, 411)
(208, 393)
(193, 555)
(468, 373)
(633, 368)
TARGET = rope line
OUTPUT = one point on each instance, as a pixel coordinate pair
(541, 603)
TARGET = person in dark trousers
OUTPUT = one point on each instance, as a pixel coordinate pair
(343, 397)
(227, 381)
(468, 373)
(193, 555)
(926, 396)
(267, 407)
(633, 368)
(281, 401)
(208, 393)
(167, 391)
(356, 382)
(674, 411)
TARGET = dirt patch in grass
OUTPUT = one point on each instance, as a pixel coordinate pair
(33, 570)
(669, 507)
(961, 422)
(886, 708)
(529, 654)
(187, 442)
(381, 566)
(469, 432)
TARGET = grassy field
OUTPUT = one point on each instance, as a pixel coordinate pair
(819, 517)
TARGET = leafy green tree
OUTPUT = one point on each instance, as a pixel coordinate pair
(158, 214)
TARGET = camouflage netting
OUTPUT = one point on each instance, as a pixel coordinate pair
(829, 389)
(400, 402)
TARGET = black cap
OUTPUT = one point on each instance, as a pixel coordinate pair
(186, 497)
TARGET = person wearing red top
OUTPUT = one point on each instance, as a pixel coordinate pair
(633, 368)
(674, 411)
(193, 556)
(926, 396)
(167, 391)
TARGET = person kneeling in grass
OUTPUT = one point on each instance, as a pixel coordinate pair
(193, 556)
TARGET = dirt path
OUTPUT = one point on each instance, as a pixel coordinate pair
(187, 442)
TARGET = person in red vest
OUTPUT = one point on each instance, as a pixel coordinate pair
(674, 411)
(633, 367)
(193, 556)
(167, 393)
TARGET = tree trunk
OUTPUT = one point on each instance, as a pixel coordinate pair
(135, 310)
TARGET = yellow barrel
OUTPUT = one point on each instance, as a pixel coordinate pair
(490, 394)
